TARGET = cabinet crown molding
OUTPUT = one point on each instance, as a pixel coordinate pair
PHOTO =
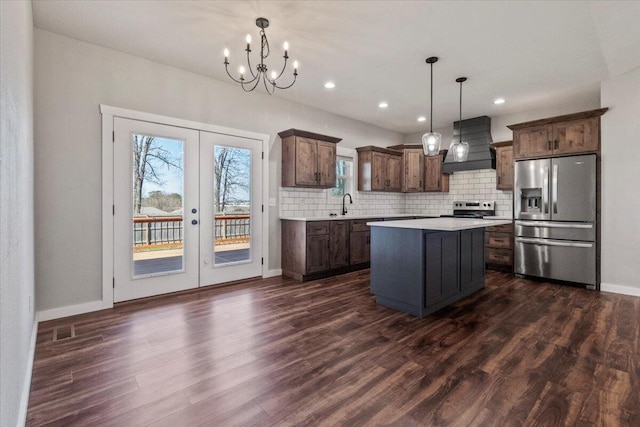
(501, 144)
(556, 119)
(307, 134)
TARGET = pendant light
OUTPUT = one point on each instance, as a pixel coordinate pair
(460, 148)
(431, 140)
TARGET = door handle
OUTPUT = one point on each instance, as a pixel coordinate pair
(194, 221)
(552, 224)
(545, 193)
(554, 189)
(549, 145)
(564, 244)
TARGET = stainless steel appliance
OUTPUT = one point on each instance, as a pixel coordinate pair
(472, 209)
(555, 212)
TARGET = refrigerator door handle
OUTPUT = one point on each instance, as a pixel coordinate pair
(553, 224)
(554, 189)
(547, 242)
(545, 193)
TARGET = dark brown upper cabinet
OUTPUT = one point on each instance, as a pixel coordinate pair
(308, 159)
(434, 179)
(557, 136)
(504, 165)
(379, 169)
(412, 167)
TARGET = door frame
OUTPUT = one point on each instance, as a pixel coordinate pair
(108, 115)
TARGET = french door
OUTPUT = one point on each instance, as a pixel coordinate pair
(186, 208)
(231, 208)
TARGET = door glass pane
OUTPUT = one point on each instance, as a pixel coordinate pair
(158, 192)
(232, 205)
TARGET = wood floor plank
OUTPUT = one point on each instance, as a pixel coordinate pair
(278, 352)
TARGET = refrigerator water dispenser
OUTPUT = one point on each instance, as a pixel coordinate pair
(531, 200)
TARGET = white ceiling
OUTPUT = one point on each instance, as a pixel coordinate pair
(533, 53)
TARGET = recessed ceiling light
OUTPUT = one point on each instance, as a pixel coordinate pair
(329, 85)
(422, 119)
(499, 101)
(383, 105)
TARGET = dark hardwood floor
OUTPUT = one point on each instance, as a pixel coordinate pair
(277, 352)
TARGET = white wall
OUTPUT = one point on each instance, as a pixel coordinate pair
(16, 208)
(72, 78)
(620, 176)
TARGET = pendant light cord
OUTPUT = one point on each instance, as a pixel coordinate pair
(431, 107)
(460, 122)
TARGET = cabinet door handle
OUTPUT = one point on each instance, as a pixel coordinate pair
(499, 180)
(556, 145)
(549, 145)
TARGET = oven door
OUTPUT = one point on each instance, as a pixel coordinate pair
(569, 260)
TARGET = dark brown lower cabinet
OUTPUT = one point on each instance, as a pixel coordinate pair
(499, 247)
(317, 253)
(360, 247)
(338, 244)
(313, 249)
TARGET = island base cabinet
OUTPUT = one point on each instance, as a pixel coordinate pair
(396, 268)
(442, 265)
(472, 263)
(419, 272)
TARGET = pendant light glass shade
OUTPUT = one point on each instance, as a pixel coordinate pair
(460, 149)
(431, 141)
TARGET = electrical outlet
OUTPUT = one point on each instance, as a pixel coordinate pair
(272, 201)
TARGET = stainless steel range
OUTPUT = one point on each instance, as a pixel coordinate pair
(472, 209)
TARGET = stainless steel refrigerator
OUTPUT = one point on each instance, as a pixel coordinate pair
(555, 219)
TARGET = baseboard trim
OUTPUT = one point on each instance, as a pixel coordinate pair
(72, 310)
(620, 289)
(26, 386)
(273, 273)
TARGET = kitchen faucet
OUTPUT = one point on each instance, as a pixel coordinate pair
(344, 209)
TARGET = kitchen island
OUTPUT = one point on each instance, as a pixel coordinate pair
(420, 266)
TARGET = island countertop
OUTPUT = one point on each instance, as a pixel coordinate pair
(442, 224)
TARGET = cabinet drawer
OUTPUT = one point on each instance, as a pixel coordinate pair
(361, 224)
(506, 228)
(499, 256)
(316, 228)
(500, 240)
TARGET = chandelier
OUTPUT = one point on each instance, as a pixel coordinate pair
(460, 148)
(270, 80)
(431, 140)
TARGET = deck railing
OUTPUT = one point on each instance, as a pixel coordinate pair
(154, 232)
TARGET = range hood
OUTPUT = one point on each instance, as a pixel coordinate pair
(477, 133)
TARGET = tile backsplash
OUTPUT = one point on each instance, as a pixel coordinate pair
(466, 185)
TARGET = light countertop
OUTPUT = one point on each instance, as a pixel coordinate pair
(442, 224)
(346, 217)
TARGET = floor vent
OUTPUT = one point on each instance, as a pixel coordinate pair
(64, 332)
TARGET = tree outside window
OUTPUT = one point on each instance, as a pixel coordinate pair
(344, 177)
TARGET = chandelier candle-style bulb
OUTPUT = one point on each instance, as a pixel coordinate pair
(260, 71)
